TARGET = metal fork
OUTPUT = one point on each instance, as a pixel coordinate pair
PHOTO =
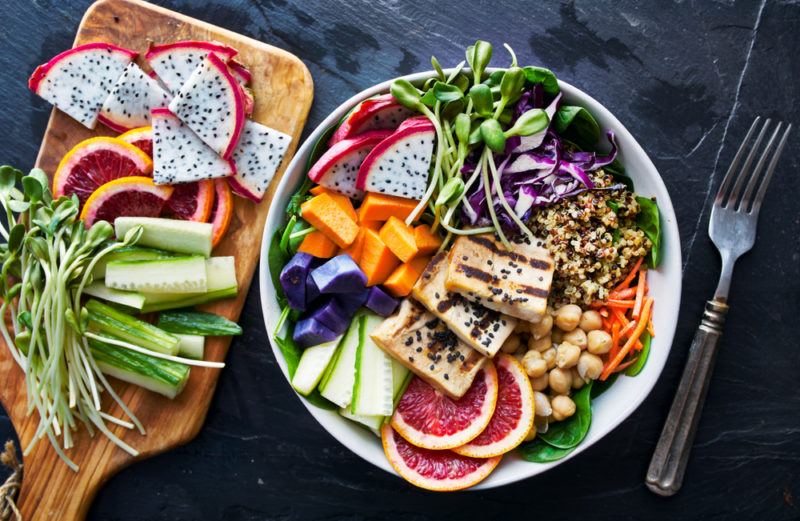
(732, 228)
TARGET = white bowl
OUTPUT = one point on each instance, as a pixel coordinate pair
(610, 409)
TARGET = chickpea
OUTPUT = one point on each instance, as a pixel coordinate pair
(541, 404)
(576, 337)
(563, 407)
(511, 344)
(567, 355)
(549, 356)
(590, 321)
(577, 381)
(522, 327)
(568, 317)
(542, 328)
(598, 342)
(540, 383)
(541, 344)
(589, 366)
(560, 380)
(556, 335)
(533, 363)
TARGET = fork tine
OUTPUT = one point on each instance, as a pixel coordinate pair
(755, 177)
(726, 181)
(745, 171)
(770, 169)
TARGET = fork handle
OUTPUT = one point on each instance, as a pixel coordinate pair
(665, 474)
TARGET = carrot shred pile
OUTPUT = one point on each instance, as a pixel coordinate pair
(626, 314)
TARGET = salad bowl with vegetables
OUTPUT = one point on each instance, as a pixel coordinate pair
(472, 274)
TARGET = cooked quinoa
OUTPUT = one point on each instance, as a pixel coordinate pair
(593, 245)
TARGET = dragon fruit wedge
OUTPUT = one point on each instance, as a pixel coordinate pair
(240, 72)
(337, 169)
(79, 80)
(257, 156)
(378, 113)
(129, 104)
(179, 156)
(212, 104)
(399, 164)
(175, 62)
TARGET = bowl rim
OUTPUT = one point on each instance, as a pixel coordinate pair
(671, 262)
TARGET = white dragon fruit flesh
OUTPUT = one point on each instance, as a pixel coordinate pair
(129, 104)
(257, 157)
(378, 113)
(175, 62)
(212, 103)
(337, 168)
(399, 164)
(179, 156)
(79, 80)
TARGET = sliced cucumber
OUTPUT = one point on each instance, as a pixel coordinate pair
(191, 346)
(130, 299)
(220, 283)
(372, 422)
(372, 389)
(105, 319)
(197, 323)
(169, 234)
(401, 376)
(155, 374)
(337, 384)
(312, 366)
(172, 275)
(128, 253)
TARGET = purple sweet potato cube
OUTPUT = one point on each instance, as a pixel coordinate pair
(381, 302)
(312, 291)
(331, 315)
(339, 275)
(350, 302)
(293, 279)
(310, 332)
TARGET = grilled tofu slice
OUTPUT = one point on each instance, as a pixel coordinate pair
(480, 328)
(422, 342)
(515, 282)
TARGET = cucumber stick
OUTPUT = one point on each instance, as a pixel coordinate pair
(197, 323)
(169, 234)
(372, 389)
(401, 376)
(337, 384)
(107, 320)
(172, 275)
(158, 375)
(313, 363)
(191, 346)
(128, 253)
(130, 299)
(220, 283)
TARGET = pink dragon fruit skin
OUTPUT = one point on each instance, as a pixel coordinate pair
(257, 157)
(378, 113)
(79, 80)
(337, 169)
(399, 164)
(241, 72)
(129, 104)
(179, 156)
(211, 103)
(174, 62)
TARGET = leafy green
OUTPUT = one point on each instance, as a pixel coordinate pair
(445, 92)
(576, 124)
(543, 76)
(202, 323)
(601, 386)
(276, 260)
(570, 432)
(291, 355)
(538, 451)
(649, 222)
(637, 366)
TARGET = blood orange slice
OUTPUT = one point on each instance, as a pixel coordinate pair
(513, 415)
(221, 210)
(96, 161)
(429, 419)
(191, 201)
(141, 138)
(438, 470)
(129, 196)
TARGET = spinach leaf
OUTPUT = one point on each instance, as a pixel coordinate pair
(291, 355)
(276, 260)
(537, 451)
(576, 124)
(601, 386)
(570, 432)
(543, 76)
(322, 143)
(299, 197)
(637, 367)
(649, 222)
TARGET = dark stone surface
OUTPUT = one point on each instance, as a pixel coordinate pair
(686, 78)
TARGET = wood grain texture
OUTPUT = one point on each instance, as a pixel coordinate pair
(283, 91)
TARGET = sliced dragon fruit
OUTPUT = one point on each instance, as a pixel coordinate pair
(212, 104)
(337, 169)
(79, 80)
(179, 156)
(175, 62)
(257, 156)
(129, 104)
(378, 113)
(240, 72)
(399, 164)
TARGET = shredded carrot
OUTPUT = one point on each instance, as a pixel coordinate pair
(627, 329)
(637, 308)
(620, 317)
(622, 367)
(597, 304)
(614, 341)
(627, 282)
(637, 332)
(623, 293)
(650, 327)
(624, 304)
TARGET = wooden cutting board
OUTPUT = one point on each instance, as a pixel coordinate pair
(283, 92)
